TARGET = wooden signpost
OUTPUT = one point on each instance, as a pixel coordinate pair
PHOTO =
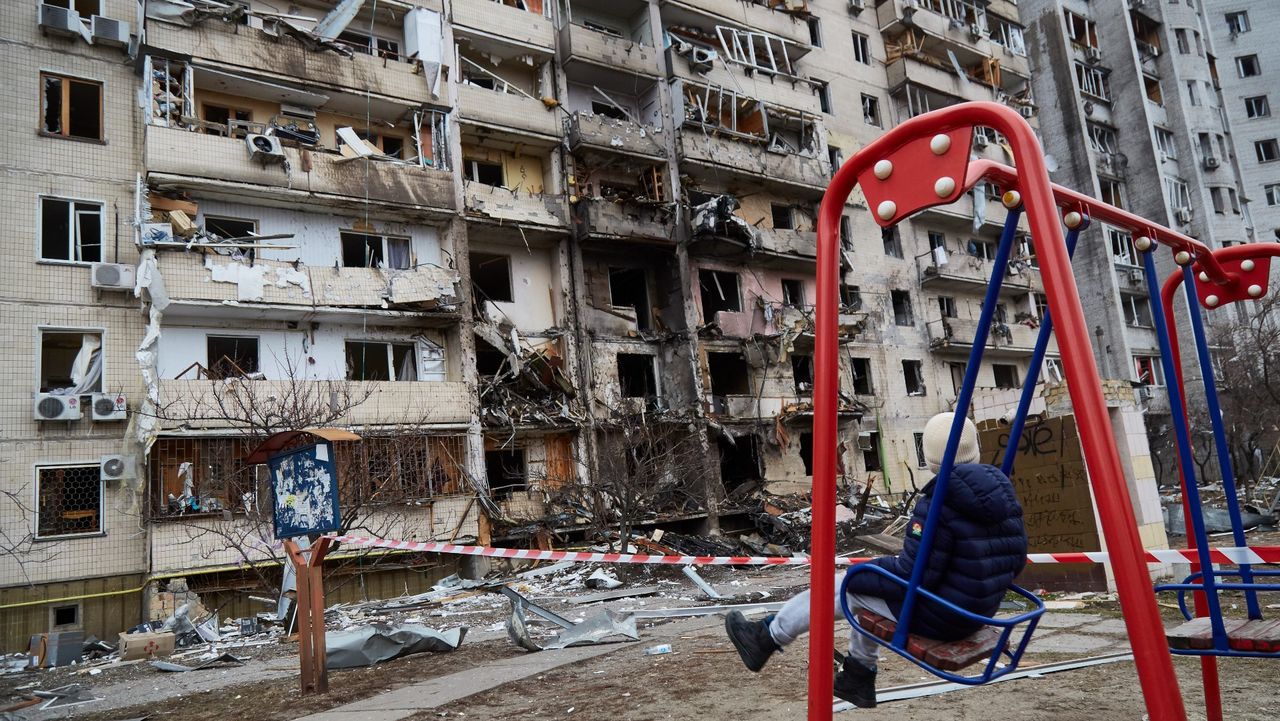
(308, 564)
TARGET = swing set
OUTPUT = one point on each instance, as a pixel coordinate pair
(924, 162)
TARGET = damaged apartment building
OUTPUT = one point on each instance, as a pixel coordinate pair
(505, 243)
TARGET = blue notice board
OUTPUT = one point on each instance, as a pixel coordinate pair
(304, 490)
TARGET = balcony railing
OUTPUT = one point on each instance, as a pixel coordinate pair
(507, 110)
(580, 44)
(968, 272)
(500, 20)
(1004, 339)
(746, 158)
(503, 205)
(601, 218)
(602, 133)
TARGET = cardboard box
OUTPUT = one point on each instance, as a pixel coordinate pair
(145, 645)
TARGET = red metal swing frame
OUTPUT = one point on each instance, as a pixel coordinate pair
(924, 153)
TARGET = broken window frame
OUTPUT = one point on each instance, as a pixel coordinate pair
(783, 212)
(211, 222)
(698, 102)
(1178, 192)
(217, 371)
(864, 382)
(1008, 35)
(1137, 310)
(1147, 370)
(1257, 106)
(871, 454)
(169, 106)
(792, 292)
(891, 241)
(1123, 251)
(84, 8)
(625, 387)
(947, 306)
(1166, 142)
(1093, 81)
(850, 297)
(802, 374)
(394, 353)
(95, 363)
(65, 84)
(716, 360)
(392, 252)
(512, 483)
(903, 316)
(917, 439)
(715, 279)
(373, 45)
(1007, 382)
(1267, 150)
(47, 475)
(1081, 31)
(913, 377)
(471, 171)
(477, 258)
(871, 111)
(78, 212)
(1102, 138)
(239, 122)
(739, 48)
(438, 126)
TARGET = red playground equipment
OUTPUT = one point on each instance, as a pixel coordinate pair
(925, 162)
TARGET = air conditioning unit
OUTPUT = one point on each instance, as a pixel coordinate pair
(50, 407)
(60, 21)
(1026, 111)
(155, 233)
(1135, 276)
(864, 442)
(1211, 163)
(1146, 393)
(1164, 157)
(1093, 55)
(117, 468)
(112, 276)
(701, 60)
(976, 31)
(1183, 215)
(109, 407)
(110, 32)
(857, 6)
(980, 141)
(265, 148)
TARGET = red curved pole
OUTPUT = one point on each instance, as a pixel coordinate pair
(1208, 664)
(1137, 600)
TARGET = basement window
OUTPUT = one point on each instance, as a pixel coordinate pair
(783, 216)
(70, 230)
(1006, 376)
(793, 292)
(484, 172)
(730, 374)
(902, 314)
(913, 375)
(506, 472)
(861, 370)
(636, 377)
(363, 250)
(802, 373)
(64, 617)
(806, 452)
(72, 108)
(69, 501)
(870, 444)
(381, 361)
(231, 356)
(70, 361)
(629, 288)
(719, 291)
(491, 277)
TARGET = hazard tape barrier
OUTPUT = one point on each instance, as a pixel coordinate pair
(1232, 556)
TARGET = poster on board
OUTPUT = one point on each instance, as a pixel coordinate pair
(304, 490)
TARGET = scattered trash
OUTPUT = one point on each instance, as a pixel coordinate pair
(658, 650)
(700, 583)
(619, 593)
(225, 659)
(602, 579)
(605, 627)
(376, 643)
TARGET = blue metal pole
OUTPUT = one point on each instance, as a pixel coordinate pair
(1219, 434)
(957, 425)
(1033, 372)
(1183, 436)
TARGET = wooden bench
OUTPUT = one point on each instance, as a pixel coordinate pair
(1262, 636)
(946, 655)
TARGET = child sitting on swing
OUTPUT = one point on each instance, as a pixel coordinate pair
(979, 548)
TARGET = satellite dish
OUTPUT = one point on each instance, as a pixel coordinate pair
(1050, 163)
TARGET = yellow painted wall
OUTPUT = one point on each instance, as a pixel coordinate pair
(522, 172)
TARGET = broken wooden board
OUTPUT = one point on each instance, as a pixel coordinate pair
(619, 593)
(882, 541)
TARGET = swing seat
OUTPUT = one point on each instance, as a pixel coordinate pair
(946, 655)
(1258, 636)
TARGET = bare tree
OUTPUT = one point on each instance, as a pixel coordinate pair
(20, 547)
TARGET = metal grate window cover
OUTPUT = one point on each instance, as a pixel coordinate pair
(69, 501)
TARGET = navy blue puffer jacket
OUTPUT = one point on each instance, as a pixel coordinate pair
(980, 547)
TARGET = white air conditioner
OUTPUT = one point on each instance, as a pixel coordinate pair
(1026, 111)
(112, 276)
(1135, 276)
(1093, 55)
(154, 233)
(109, 407)
(864, 441)
(1183, 215)
(1146, 393)
(117, 468)
(980, 141)
(701, 60)
(265, 148)
(50, 407)
(976, 31)
(110, 32)
(1211, 163)
(857, 6)
(60, 21)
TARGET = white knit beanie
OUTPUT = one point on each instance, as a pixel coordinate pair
(936, 432)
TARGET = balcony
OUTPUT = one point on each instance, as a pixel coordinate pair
(506, 207)
(601, 218)
(747, 15)
(939, 79)
(182, 159)
(579, 44)
(794, 243)
(507, 111)
(494, 19)
(221, 285)
(964, 272)
(781, 91)
(900, 16)
(194, 404)
(602, 133)
(1005, 340)
(750, 160)
(288, 59)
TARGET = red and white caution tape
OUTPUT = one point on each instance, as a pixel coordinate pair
(1233, 556)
